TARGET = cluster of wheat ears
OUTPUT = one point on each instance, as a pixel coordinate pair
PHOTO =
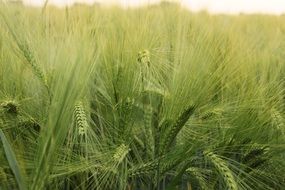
(153, 98)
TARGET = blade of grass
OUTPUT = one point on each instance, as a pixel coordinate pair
(12, 160)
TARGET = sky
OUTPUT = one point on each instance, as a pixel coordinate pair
(213, 6)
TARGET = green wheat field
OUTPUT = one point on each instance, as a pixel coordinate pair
(153, 98)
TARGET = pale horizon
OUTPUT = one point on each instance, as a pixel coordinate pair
(212, 6)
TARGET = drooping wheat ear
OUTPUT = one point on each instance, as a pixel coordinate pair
(120, 153)
(176, 127)
(211, 113)
(80, 118)
(163, 126)
(144, 57)
(27, 53)
(127, 106)
(144, 60)
(255, 158)
(254, 155)
(10, 107)
(166, 164)
(148, 116)
(144, 169)
(29, 123)
(32, 62)
(278, 120)
(223, 169)
(139, 142)
(3, 176)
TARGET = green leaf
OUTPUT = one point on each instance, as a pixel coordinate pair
(11, 157)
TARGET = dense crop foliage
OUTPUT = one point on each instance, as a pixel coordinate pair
(141, 99)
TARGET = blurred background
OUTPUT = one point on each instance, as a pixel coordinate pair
(212, 6)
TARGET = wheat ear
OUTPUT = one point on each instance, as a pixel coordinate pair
(223, 170)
